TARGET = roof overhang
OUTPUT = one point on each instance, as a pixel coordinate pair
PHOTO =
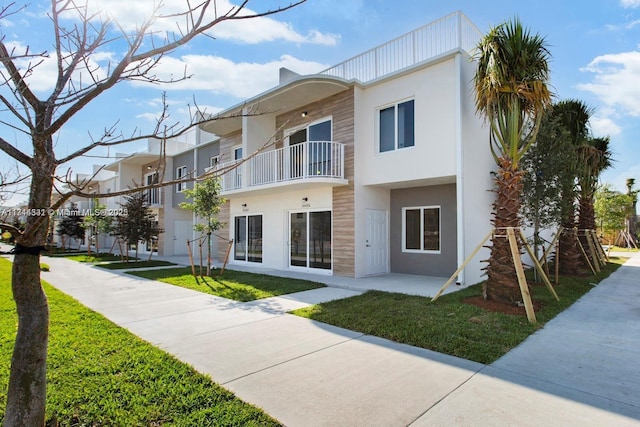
(134, 159)
(286, 97)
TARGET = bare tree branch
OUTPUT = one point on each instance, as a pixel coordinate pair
(15, 153)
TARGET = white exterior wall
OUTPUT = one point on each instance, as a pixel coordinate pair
(474, 179)
(275, 209)
(434, 152)
(257, 131)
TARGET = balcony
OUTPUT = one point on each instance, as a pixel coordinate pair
(153, 196)
(307, 162)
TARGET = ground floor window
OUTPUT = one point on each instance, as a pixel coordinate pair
(248, 238)
(421, 229)
(310, 244)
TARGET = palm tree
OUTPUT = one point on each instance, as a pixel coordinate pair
(574, 116)
(512, 93)
(594, 157)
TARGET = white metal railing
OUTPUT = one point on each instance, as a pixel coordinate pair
(311, 159)
(454, 31)
(153, 196)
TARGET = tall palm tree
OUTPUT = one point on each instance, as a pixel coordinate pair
(594, 156)
(512, 93)
(574, 116)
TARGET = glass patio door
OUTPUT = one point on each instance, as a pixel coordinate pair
(310, 244)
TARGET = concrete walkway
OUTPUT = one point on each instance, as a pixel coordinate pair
(582, 369)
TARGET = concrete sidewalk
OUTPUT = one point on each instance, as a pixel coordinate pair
(581, 369)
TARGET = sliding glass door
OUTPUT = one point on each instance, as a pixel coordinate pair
(310, 244)
(248, 238)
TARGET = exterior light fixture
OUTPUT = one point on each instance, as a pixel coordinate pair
(305, 199)
(149, 167)
(305, 114)
(244, 205)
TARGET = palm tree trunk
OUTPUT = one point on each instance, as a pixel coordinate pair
(502, 281)
(569, 254)
(586, 221)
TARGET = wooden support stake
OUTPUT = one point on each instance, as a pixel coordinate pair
(592, 251)
(538, 266)
(200, 249)
(603, 255)
(585, 254)
(557, 263)
(522, 281)
(226, 258)
(464, 264)
(193, 268)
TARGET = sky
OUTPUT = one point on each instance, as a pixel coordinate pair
(594, 45)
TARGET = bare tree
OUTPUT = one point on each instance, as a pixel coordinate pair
(78, 37)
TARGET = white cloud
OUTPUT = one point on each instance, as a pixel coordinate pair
(222, 76)
(130, 15)
(630, 3)
(616, 82)
(41, 72)
(603, 125)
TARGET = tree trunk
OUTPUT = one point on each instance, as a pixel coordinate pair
(586, 221)
(209, 253)
(26, 396)
(569, 252)
(502, 281)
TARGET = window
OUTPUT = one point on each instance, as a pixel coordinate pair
(181, 172)
(314, 157)
(248, 238)
(152, 194)
(237, 153)
(396, 127)
(213, 161)
(421, 229)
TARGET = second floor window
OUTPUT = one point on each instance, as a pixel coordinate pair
(396, 127)
(213, 161)
(181, 172)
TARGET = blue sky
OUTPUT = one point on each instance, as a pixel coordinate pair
(595, 47)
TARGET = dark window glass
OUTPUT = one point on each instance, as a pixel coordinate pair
(387, 129)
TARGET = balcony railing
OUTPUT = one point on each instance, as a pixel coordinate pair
(153, 196)
(307, 160)
(454, 31)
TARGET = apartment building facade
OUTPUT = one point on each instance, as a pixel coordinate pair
(379, 164)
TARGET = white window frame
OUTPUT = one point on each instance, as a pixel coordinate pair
(395, 125)
(290, 131)
(404, 229)
(235, 152)
(181, 172)
(214, 161)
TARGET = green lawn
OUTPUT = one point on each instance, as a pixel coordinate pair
(119, 265)
(448, 325)
(235, 285)
(83, 257)
(101, 375)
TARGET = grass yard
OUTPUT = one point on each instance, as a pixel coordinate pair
(93, 258)
(449, 325)
(101, 375)
(119, 265)
(235, 285)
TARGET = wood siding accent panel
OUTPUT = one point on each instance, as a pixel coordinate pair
(341, 108)
(227, 143)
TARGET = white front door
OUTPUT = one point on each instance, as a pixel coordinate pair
(377, 246)
(182, 231)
